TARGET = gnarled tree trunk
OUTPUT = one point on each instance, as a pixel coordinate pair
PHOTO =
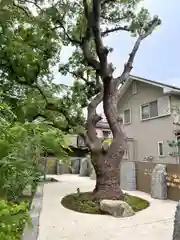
(107, 178)
(106, 162)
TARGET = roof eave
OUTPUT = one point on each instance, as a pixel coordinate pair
(171, 91)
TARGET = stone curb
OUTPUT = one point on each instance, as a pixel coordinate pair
(31, 232)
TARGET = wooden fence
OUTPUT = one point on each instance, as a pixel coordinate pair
(144, 174)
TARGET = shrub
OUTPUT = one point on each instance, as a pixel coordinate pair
(13, 218)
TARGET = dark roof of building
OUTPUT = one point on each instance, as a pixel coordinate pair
(102, 124)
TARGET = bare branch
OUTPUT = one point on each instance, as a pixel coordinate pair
(116, 29)
(129, 65)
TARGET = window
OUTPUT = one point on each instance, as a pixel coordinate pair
(160, 149)
(149, 110)
(127, 116)
(134, 88)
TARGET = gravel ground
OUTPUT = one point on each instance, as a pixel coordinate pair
(58, 223)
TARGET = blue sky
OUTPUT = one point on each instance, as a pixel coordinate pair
(159, 55)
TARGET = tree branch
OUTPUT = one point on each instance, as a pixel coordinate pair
(77, 75)
(92, 119)
(53, 124)
(96, 12)
(92, 62)
(106, 69)
(116, 29)
(34, 3)
(35, 86)
(129, 65)
(75, 41)
(41, 92)
(86, 140)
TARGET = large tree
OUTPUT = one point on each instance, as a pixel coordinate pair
(30, 49)
(84, 24)
(95, 20)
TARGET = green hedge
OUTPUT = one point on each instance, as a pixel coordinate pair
(13, 218)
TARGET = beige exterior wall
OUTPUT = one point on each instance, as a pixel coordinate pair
(175, 103)
(148, 133)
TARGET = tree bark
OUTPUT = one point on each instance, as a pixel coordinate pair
(107, 171)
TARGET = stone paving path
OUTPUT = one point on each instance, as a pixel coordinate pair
(59, 223)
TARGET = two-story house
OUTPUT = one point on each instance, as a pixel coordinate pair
(147, 108)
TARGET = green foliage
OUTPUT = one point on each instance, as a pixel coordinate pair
(21, 146)
(82, 202)
(30, 47)
(27, 43)
(13, 218)
(136, 203)
(176, 145)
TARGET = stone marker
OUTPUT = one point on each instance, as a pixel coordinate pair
(176, 232)
(128, 176)
(75, 165)
(84, 168)
(116, 208)
(63, 168)
(158, 182)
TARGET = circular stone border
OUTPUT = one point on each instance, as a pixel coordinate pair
(83, 203)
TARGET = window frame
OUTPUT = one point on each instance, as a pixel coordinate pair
(148, 104)
(159, 155)
(126, 123)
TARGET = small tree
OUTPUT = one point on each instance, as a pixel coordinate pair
(175, 144)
